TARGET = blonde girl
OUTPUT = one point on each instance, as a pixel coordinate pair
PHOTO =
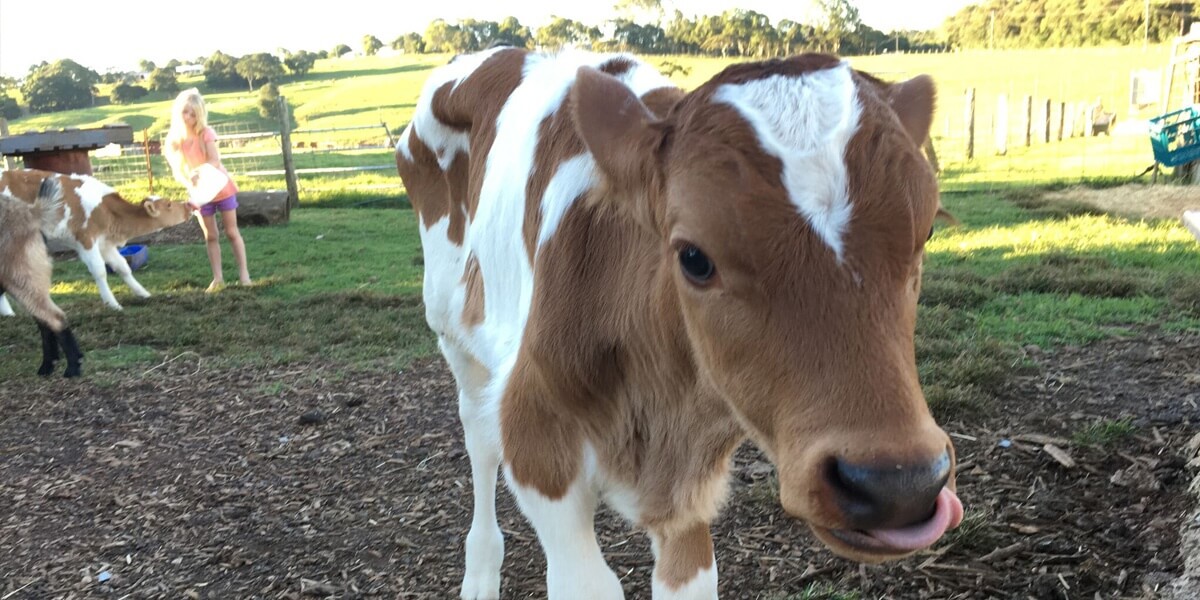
(191, 144)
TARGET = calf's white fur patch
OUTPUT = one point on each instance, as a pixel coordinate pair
(806, 122)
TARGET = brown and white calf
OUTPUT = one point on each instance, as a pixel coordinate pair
(96, 221)
(25, 272)
(627, 281)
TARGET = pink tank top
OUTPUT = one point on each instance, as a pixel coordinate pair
(192, 150)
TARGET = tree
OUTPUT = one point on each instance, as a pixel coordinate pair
(62, 85)
(371, 45)
(440, 36)
(300, 63)
(512, 33)
(259, 65)
(124, 93)
(9, 109)
(409, 43)
(220, 70)
(146, 66)
(642, 39)
(341, 50)
(841, 20)
(268, 101)
(164, 80)
(566, 32)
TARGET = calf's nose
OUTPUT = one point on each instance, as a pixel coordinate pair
(887, 495)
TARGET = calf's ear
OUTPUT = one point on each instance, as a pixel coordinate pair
(913, 102)
(151, 208)
(618, 129)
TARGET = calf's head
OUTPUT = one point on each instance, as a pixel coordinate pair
(166, 213)
(793, 204)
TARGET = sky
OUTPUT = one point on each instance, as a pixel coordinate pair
(117, 34)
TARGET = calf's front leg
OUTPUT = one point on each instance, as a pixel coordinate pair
(684, 565)
(95, 265)
(575, 567)
(114, 259)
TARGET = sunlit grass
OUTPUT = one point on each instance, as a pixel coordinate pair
(341, 285)
(1010, 277)
(1090, 234)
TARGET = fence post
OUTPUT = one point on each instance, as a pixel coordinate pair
(9, 162)
(289, 169)
(146, 151)
(1027, 121)
(1001, 125)
(970, 121)
(1046, 133)
(1069, 120)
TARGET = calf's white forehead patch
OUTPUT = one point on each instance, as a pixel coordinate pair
(806, 122)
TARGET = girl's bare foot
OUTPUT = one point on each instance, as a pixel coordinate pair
(215, 287)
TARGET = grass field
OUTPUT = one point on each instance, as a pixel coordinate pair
(364, 91)
(344, 284)
(1011, 276)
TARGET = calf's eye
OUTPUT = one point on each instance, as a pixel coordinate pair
(695, 265)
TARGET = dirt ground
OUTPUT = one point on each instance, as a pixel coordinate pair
(191, 481)
(1135, 200)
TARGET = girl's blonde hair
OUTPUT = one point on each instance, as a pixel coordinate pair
(178, 131)
(189, 97)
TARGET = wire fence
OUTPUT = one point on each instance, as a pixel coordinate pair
(1092, 126)
(355, 159)
(984, 139)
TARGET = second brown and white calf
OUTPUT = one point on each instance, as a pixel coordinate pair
(95, 221)
(25, 272)
(628, 280)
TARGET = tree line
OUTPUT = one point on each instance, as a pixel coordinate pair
(1009, 24)
(834, 26)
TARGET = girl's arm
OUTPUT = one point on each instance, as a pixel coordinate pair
(210, 151)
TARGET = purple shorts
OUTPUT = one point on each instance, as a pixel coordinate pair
(225, 205)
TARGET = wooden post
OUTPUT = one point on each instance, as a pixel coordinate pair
(9, 162)
(388, 132)
(1027, 121)
(289, 169)
(1046, 133)
(1001, 130)
(146, 151)
(970, 122)
(1069, 120)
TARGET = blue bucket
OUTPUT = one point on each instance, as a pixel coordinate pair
(135, 255)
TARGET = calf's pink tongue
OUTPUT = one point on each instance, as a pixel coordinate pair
(947, 515)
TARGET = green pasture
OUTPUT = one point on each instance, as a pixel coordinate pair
(343, 284)
(382, 91)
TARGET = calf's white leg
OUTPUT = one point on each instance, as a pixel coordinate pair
(114, 259)
(5, 308)
(481, 430)
(575, 567)
(95, 265)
